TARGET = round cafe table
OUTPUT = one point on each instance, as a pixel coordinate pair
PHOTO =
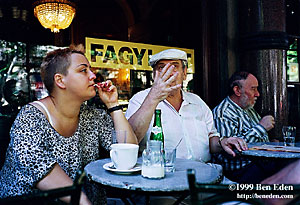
(173, 183)
(272, 154)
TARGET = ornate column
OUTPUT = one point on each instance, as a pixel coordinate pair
(263, 44)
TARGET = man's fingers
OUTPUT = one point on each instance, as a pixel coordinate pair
(238, 146)
(238, 143)
(165, 69)
(172, 78)
(174, 87)
(157, 75)
(231, 142)
(242, 144)
(229, 151)
(166, 75)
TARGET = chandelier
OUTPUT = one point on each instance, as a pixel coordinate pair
(54, 14)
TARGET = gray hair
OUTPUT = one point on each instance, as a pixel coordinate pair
(235, 80)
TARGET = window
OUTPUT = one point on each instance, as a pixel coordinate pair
(292, 62)
(20, 80)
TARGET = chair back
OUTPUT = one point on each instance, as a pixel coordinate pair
(49, 196)
(5, 125)
(213, 193)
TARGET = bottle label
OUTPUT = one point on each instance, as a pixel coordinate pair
(156, 130)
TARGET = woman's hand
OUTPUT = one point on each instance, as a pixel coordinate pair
(108, 93)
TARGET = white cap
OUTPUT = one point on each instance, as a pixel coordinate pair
(169, 54)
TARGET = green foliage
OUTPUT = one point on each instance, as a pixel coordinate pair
(8, 50)
(294, 45)
(292, 53)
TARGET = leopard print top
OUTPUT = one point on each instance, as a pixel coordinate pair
(35, 147)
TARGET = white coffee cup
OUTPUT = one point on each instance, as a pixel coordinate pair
(124, 155)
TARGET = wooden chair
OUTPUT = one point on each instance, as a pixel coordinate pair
(50, 196)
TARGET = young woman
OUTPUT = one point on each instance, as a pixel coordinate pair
(53, 138)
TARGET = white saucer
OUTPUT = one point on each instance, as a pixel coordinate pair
(110, 167)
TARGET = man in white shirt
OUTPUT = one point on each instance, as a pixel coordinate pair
(185, 116)
(186, 119)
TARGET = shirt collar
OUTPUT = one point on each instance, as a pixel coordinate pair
(187, 98)
(234, 104)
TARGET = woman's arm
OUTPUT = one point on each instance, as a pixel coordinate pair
(109, 96)
(57, 178)
(121, 123)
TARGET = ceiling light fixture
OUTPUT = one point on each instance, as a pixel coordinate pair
(54, 14)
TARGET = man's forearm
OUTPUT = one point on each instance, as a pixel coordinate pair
(141, 119)
(231, 128)
(214, 144)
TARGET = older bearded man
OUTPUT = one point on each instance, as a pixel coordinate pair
(236, 117)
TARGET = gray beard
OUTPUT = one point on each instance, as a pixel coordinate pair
(245, 104)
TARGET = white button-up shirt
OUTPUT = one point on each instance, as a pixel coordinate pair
(193, 124)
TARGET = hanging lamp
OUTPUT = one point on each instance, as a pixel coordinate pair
(54, 14)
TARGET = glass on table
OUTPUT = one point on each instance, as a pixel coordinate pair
(289, 134)
(170, 157)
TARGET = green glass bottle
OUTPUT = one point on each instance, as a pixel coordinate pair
(157, 131)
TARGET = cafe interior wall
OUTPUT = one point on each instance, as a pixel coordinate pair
(174, 23)
(265, 36)
(168, 23)
(210, 27)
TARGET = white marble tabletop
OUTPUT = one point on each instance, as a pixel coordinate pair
(172, 182)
